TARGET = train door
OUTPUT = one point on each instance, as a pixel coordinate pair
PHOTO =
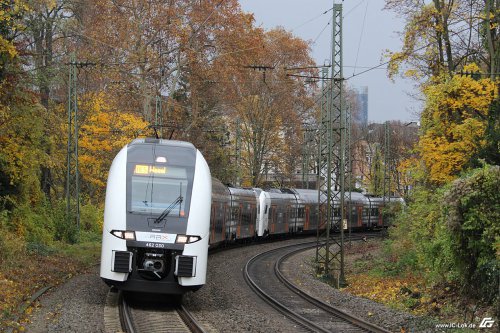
(246, 220)
(306, 217)
(253, 215)
(380, 222)
(287, 218)
(213, 223)
(226, 221)
(273, 214)
(239, 222)
(360, 216)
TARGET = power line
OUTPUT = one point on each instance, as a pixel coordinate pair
(313, 19)
(360, 38)
(321, 32)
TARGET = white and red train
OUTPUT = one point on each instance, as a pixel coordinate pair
(163, 210)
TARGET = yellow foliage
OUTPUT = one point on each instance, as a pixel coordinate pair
(454, 123)
(386, 290)
(104, 132)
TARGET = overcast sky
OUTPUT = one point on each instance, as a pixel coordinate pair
(368, 30)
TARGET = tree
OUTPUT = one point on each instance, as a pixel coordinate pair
(273, 106)
(105, 131)
(444, 35)
(454, 123)
(42, 41)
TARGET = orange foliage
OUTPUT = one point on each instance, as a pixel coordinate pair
(394, 291)
(18, 284)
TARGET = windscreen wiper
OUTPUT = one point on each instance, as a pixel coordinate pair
(167, 210)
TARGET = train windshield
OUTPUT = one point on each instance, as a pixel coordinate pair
(159, 188)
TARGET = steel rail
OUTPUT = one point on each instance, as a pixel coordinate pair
(326, 307)
(125, 315)
(189, 320)
(293, 315)
(299, 319)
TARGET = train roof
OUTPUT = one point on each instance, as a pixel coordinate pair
(241, 191)
(387, 199)
(172, 143)
(306, 195)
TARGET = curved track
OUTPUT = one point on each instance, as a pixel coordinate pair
(263, 275)
(122, 315)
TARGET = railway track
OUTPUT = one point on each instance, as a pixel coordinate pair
(263, 275)
(120, 315)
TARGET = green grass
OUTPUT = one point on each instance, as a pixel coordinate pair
(86, 253)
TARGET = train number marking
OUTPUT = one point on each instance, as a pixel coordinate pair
(156, 245)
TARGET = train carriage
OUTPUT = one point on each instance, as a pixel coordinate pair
(307, 209)
(357, 218)
(281, 212)
(219, 218)
(243, 213)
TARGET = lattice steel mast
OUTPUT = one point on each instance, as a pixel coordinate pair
(387, 162)
(331, 161)
(72, 175)
(308, 136)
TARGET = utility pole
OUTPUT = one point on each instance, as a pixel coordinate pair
(72, 171)
(348, 164)
(238, 154)
(72, 175)
(306, 154)
(331, 164)
(159, 117)
(387, 163)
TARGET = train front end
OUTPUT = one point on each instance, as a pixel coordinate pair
(156, 218)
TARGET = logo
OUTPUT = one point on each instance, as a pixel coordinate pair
(486, 323)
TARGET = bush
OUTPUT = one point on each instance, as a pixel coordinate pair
(35, 225)
(414, 232)
(91, 219)
(452, 235)
(472, 214)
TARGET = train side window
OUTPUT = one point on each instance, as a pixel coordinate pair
(265, 210)
(245, 218)
(235, 213)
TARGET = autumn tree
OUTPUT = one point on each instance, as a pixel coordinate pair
(441, 40)
(273, 107)
(20, 116)
(105, 131)
(42, 41)
(443, 35)
(454, 123)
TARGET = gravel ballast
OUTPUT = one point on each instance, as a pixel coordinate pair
(224, 304)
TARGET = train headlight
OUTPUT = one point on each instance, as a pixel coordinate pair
(186, 239)
(124, 234)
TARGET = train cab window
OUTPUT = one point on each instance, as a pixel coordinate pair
(156, 188)
(265, 210)
(160, 177)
